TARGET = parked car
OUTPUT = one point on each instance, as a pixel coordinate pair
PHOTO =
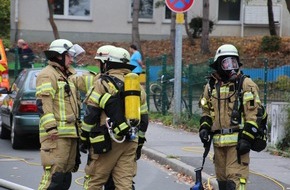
(19, 116)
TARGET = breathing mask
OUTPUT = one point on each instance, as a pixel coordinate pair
(229, 67)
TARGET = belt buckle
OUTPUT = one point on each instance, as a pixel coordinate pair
(226, 131)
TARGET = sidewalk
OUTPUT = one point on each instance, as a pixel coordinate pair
(183, 152)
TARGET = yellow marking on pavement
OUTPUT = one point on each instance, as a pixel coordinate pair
(198, 149)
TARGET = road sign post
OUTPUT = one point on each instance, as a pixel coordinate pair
(178, 6)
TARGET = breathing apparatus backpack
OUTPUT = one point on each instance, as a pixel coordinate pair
(128, 98)
(260, 141)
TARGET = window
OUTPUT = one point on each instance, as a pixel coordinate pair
(146, 9)
(72, 9)
(229, 11)
(167, 13)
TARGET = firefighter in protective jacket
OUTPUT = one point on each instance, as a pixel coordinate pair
(109, 136)
(230, 119)
(58, 106)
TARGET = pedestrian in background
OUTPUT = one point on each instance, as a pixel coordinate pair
(25, 53)
(136, 59)
(231, 117)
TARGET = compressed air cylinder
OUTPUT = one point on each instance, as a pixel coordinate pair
(132, 94)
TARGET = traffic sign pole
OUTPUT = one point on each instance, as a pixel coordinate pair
(178, 68)
(178, 6)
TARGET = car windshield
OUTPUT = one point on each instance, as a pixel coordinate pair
(32, 84)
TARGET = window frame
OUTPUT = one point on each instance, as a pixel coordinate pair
(166, 20)
(233, 22)
(71, 17)
(144, 20)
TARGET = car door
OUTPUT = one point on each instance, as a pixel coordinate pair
(6, 108)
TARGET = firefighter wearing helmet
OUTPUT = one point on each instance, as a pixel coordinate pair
(114, 139)
(230, 119)
(57, 102)
(102, 55)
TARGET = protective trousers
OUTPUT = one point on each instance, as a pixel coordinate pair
(229, 172)
(120, 161)
(58, 160)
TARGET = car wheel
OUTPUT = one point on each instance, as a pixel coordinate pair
(15, 139)
(5, 133)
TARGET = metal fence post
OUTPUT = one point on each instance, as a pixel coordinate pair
(16, 62)
(266, 61)
(163, 85)
(147, 63)
(189, 87)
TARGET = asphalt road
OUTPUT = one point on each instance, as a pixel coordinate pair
(23, 167)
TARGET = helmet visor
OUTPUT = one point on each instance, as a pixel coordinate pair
(77, 52)
(229, 63)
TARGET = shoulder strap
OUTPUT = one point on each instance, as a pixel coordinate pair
(239, 97)
(114, 80)
(211, 83)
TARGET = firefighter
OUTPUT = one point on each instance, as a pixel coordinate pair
(106, 131)
(229, 120)
(59, 114)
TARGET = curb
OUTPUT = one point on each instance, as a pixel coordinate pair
(12, 186)
(176, 165)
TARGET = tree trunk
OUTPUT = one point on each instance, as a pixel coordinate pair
(172, 34)
(288, 5)
(187, 29)
(271, 18)
(205, 28)
(50, 5)
(135, 25)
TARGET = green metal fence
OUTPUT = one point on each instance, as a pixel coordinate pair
(271, 75)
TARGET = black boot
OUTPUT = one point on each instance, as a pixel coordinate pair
(222, 185)
(231, 185)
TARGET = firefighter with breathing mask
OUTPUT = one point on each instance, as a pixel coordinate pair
(113, 130)
(229, 118)
(58, 107)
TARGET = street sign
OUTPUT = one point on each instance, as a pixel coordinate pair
(179, 6)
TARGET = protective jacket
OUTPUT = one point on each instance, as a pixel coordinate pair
(217, 110)
(55, 91)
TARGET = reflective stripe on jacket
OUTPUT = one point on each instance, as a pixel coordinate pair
(58, 95)
(220, 111)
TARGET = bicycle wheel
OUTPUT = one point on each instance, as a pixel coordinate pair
(153, 87)
(185, 109)
(157, 97)
(185, 112)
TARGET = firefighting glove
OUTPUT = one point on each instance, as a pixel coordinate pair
(249, 132)
(112, 106)
(204, 135)
(243, 147)
(85, 141)
(76, 168)
(204, 130)
(141, 141)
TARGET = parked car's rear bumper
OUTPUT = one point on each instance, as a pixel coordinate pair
(26, 124)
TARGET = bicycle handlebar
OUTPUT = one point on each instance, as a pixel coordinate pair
(166, 81)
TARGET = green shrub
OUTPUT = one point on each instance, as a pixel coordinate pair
(270, 43)
(191, 124)
(6, 43)
(283, 83)
(195, 26)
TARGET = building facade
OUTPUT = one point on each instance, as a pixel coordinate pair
(110, 20)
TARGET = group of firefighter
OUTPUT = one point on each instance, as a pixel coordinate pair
(112, 130)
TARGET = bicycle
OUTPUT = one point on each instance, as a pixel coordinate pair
(163, 100)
